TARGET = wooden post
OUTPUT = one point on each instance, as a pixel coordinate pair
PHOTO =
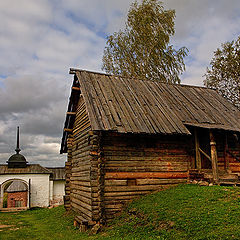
(198, 155)
(214, 158)
(226, 159)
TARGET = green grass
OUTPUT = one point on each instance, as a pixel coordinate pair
(39, 224)
(183, 212)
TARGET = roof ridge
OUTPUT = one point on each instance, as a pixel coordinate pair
(74, 70)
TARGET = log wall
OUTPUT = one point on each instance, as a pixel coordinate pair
(138, 164)
(68, 171)
(228, 150)
(78, 166)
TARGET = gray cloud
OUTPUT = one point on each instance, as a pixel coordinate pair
(40, 40)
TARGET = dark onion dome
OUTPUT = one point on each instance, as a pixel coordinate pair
(17, 160)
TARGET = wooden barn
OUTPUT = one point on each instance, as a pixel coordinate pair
(128, 137)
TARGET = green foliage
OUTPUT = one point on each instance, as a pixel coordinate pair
(142, 49)
(224, 73)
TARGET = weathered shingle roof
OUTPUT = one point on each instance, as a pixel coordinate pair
(17, 186)
(130, 105)
(31, 168)
(135, 106)
(58, 173)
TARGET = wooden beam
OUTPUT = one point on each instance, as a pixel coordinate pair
(67, 130)
(198, 155)
(206, 155)
(71, 113)
(139, 175)
(76, 88)
(233, 155)
(226, 159)
(214, 158)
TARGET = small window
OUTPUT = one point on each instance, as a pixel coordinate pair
(18, 203)
(131, 182)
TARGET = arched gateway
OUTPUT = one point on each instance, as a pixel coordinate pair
(24, 185)
(14, 194)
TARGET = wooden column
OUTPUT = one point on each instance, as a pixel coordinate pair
(226, 159)
(214, 158)
(198, 155)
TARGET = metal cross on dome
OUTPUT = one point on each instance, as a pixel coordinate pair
(17, 148)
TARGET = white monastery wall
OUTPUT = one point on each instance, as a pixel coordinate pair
(58, 192)
(39, 187)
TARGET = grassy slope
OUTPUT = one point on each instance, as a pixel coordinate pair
(183, 212)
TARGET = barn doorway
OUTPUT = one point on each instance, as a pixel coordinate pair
(204, 145)
(14, 194)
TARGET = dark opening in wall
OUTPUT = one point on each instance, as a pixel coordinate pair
(131, 182)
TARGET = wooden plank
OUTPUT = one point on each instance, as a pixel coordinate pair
(138, 110)
(67, 130)
(206, 155)
(76, 88)
(71, 113)
(98, 103)
(163, 115)
(88, 100)
(171, 116)
(118, 103)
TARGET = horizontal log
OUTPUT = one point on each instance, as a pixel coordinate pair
(121, 198)
(82, 193)
(80, 182)
(128, 149)
(132, 188)
(82, 204)
(135, 175)
(85, 200)
(114, 182)
(79, 187)
(159, 181)
(82, 211)
(147, 168)
(148, 158)
(125, 194)
(84, 175)
(151, 162)
(83, 188)
(82, 140)
(81, 168)
(134, 192)
(114, 206)
(80, 162)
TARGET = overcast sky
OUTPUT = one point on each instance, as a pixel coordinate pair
(41, 39)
